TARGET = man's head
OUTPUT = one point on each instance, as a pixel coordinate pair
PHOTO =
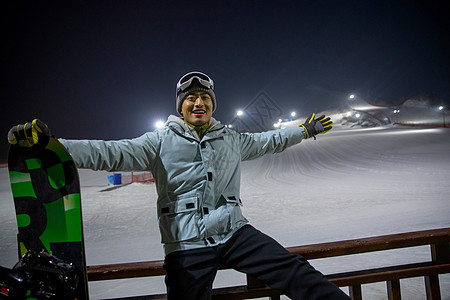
(197, 108)
(196, 100)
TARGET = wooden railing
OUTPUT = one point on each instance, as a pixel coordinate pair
(439, 263)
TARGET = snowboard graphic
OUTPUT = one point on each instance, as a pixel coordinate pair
(46, 192)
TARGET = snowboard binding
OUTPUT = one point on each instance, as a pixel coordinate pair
(39, 275)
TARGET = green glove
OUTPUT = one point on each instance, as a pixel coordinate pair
(316, 126)
(27, 135)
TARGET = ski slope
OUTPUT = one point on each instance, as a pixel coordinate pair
(349, 183)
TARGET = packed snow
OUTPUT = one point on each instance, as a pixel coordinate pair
(350, 183)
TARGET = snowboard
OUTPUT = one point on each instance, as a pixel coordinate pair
(46, 191)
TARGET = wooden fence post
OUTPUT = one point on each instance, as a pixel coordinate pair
(355, 292)
(440, 254)
(432, 287)
(393, 289)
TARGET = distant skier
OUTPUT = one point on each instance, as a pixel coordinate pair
(196, 161)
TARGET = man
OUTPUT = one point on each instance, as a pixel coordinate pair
(195, 161)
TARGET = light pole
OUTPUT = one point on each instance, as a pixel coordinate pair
(239, 113)
(442, 108)
(396, 112)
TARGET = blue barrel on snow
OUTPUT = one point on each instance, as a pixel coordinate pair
(110, 179)
(115, 179)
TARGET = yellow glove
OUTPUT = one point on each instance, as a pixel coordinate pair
(27, 135)
(316, 126)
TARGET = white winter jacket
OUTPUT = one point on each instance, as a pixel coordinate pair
(197, 181)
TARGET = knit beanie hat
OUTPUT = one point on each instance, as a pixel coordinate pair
(195, 86)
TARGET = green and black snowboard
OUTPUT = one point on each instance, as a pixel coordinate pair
(46, 192)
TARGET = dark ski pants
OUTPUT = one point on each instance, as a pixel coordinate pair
(190, 273)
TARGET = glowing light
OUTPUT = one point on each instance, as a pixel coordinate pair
(239, 113)
(352, 96)
(293, 114)
(159, 124)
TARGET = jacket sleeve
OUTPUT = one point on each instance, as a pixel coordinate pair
(123, 155)
(254, 145)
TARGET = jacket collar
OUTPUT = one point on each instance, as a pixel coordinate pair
(177, 124)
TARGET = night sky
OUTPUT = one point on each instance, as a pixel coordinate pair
(108, 69)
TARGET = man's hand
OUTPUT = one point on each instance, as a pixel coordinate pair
(317, 126)
(27, 135)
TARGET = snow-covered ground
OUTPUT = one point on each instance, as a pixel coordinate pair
(349, 183)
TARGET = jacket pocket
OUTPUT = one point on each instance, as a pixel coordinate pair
(178, 220)
(233, 201)
(224, 218)
(237, 219)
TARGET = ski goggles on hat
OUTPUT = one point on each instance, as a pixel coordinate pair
(187, 80)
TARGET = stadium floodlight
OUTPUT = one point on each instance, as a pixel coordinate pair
(239, 113)
(293, 114)
(352, 96)
(159, 124)
(441, 107)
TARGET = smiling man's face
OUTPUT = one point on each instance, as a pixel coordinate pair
(197, 108)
